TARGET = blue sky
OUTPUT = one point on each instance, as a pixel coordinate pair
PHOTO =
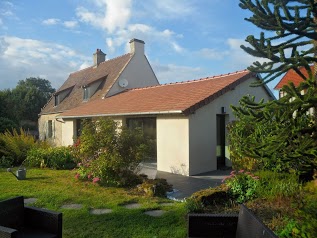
(184, 39)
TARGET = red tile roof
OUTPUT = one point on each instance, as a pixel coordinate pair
(184, 97)
(108, 71)
(292, 76)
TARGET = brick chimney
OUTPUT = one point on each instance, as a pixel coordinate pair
(137, 46)
(99, 57)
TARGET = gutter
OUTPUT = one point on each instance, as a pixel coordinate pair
(122, 114)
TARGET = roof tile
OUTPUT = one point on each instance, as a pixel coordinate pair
(183, 97)
(108, 70)
(292, 76)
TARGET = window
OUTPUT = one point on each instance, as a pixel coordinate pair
(148, 126)
(86, 94)
(50, 129)
(56, 100)
(79, 127)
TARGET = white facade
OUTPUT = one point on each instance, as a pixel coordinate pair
(187, 145)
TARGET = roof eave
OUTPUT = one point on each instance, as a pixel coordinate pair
(121, 114)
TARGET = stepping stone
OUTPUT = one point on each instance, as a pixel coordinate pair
(132, 205)
(29, 200)
(100, 211)
(155, 213)
(72, 206)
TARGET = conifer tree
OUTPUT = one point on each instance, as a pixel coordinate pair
(282, 133)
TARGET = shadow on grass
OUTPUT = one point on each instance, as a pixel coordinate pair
(37, 178)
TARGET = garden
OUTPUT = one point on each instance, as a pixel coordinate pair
(102, 174)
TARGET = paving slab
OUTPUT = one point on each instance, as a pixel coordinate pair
(29, 200)
(155, 213)
(72, 206)
(100, 211)
(132, 205)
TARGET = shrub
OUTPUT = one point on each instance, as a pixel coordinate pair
(15, 145)
(109, 153)
(242, 185)
(155, 187)
(211, 196)
(7, 124)
(53, 157)
(193, 205)
(274, 184)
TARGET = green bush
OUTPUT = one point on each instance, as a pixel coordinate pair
(274, 184)
(155, 187)
(304, 222)
(194, 206)
(211, 196)
(53, 157)
(108, 154)
(242, 185)
(15, 145)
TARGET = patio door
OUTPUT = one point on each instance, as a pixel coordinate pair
(221, 141)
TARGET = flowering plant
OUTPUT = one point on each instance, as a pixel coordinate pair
(242, 185)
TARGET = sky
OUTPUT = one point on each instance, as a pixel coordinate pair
(184, 39)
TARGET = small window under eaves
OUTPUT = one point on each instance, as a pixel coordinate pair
(86, 94)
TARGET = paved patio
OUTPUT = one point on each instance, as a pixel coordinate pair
(185, 186)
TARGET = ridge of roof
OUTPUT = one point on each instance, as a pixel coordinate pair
(109, 60)
(192, 81)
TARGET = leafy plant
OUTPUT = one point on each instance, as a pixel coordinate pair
(242, 185)
(274, 184)
(155, 187)
(15, 145)
(193, 205)
(110, 153)
(53, 157)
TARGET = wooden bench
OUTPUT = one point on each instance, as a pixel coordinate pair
(17, 220)
(243, 225)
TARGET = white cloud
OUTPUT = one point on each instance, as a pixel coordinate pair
(51, 21)
(175, 73)
(238, 57)
(212, 54)
(70, 24)
(167, 9)
(108, 15)
(25, 58)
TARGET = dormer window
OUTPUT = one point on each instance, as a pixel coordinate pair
(61, 95)
(86, 93)
(56, 100)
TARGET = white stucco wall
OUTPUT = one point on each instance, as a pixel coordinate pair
(138, 73)
(56, 139)
(173, 144)
(69, 130)
(203, 131)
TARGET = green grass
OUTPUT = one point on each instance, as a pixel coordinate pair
(54, 188)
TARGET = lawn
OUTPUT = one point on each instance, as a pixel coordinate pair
(55, 188)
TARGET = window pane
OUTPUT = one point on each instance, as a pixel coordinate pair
(50, 129)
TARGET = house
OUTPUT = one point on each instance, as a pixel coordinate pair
(103, 79)
(187, 119)
(290, 76)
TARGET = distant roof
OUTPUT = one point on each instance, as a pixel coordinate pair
(108, 70)
(181, 98)
(292, 76)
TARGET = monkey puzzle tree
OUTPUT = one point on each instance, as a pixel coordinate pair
(282, 133)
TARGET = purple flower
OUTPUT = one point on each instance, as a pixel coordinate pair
(95, 180)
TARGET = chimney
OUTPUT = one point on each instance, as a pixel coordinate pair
(137, 46)
(99, 57)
